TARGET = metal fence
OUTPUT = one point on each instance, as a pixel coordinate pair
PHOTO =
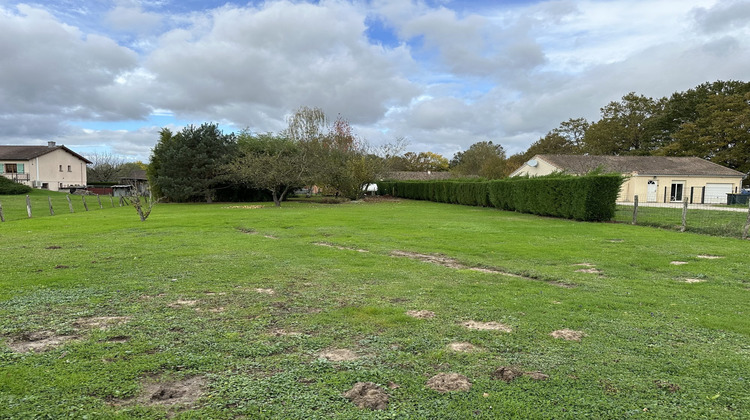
(711, 219)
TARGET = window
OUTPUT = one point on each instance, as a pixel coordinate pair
(60, 168)
(11, 168)
(69, 170)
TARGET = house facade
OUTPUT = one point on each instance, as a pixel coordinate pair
(654, 179)
(50, 167)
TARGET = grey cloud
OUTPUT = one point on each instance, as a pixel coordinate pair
(723, 15)
(131, 18)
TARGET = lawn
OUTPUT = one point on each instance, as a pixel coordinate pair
(251, 311)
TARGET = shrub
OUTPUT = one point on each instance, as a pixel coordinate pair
(8, 187)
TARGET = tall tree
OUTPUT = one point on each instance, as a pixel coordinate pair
(625, 127)
(483, 159)
(105, 167)
(186, 165)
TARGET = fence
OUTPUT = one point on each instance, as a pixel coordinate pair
(17, 208)
(711, 219)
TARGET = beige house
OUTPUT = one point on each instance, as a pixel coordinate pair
(654, 179)
(48, 167)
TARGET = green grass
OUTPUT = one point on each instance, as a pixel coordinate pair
(14, 206)
(655, 346)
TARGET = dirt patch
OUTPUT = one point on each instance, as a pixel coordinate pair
(589, 270)
(567, 334)
(53, 247)
(343, 248)
(61, 267)
(119, 339)
(39, 341)
(182, 302)
(338, 355)
(710, 257)
(694, 280)
(492, 325)
(616, 241)
(182, 392)
(585, 264)
(421, 314)
(101, 322)
(667, 386)
(678, 262)
(536, 375)
(447, 382)
(463, 347)
(248, 231)
(262, 291)
(367, 395)
(280, 332)
(270, 237)
(507, 373)
(214, 293)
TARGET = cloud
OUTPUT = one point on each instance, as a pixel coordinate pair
(128, 16)
(723, 15)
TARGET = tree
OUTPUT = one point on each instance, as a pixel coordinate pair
(105, 167)
(423, 162)
(625, 128)
(720, 132)
(481, 159)
(271, 162)
(187, 165)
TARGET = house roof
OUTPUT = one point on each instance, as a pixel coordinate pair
(31, 152)
(639, 165)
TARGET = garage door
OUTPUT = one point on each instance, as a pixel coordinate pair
(717, 193)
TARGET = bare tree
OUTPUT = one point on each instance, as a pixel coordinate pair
(104, 167)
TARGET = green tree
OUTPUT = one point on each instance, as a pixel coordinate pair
(483, 159)
(625, 128)
(720, 132)
(186, 166)
(270, 162)
(424, 161)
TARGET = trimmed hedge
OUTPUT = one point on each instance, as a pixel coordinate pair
(589, 198)
(9, 187)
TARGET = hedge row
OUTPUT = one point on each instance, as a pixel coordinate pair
(9, 187)
(589, 198)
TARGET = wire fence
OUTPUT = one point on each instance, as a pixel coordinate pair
(33, 206)
(710, 219)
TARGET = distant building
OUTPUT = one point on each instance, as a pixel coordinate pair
(48, 167)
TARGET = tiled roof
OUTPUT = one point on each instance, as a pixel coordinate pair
(641, 165)
(31, 152)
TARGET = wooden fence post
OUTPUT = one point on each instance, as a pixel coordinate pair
(684, 214)
(111, 201)
(100, 201)
(2, 215)
(121, 200)
(744, 231)
(85, 206)
(635, 210)
(70, 204)
(51, 212)
(28, 206)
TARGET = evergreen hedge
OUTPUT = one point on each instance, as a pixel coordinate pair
(9, 187)
(589, 198)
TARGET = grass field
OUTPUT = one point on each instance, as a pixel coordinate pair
(242, 311)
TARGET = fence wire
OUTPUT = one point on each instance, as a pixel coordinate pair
(710, 219)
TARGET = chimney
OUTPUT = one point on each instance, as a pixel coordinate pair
(50, 144)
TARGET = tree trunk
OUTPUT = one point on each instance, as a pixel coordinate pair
(276, 200)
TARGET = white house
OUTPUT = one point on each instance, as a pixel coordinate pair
(49, 167)
(657, 179)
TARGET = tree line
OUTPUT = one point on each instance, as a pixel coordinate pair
(197, 162)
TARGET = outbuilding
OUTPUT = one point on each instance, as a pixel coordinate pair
(654, 179)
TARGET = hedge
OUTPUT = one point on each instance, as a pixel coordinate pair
(9, 187)
(589, 198)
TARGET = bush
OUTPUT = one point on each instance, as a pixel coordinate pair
(8, 187)
(590, 198)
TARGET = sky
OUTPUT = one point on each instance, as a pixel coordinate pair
(105, 76)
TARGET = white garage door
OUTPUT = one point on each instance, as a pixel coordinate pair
(717, 193)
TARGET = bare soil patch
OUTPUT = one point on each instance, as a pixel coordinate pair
(463, 347)
(492, 325)
(39, 341)
(119, 339)
(182, 302)
(53, 247)
(537, 375)
(585, 264)
(158, 392)
(678, 262)
(567, 334)
(343, 248)
(694, 280)
(280, 332)
(423, 314)
(667, 386)
(507, 373)
(367, 395)
(338, 355)
(447, 382)
(589, 270)
(710, 257)
(101, 322)
(269, 292)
